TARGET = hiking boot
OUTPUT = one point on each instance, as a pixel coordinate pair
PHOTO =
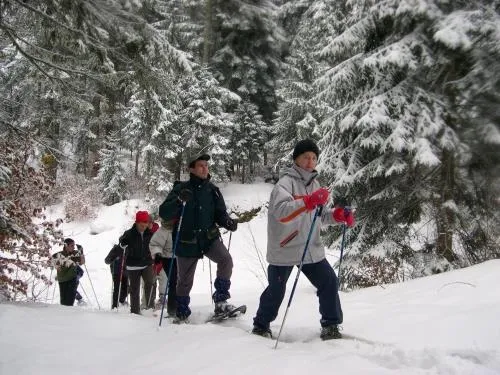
(264, 332)
(180, 318)
(330, 332)
(223, 307)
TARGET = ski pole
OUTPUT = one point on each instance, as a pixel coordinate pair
(152, 288)
(48, 288)
(344, 229)
(211, 288)
(92, 286)
(342, 249)
(316, 214)
(54, 291)
(120, 281)
(172, 262)
(112, 283)
(84, 292)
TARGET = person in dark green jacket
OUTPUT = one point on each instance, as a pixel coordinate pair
(67, 263)
(204, 212)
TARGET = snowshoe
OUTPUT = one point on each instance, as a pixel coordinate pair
(226, 311)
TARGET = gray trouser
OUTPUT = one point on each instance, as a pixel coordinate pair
(148, 299)
(186, 267)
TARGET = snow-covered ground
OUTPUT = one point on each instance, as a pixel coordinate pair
(444, 324)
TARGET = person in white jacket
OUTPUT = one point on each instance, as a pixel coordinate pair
(161, 250)
(292, 206)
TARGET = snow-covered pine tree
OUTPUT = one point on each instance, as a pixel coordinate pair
(247, 50)
(392, 140)
(182, 22)
(299, 111)
(164, 145)
(247, 139)
(289, 16)
(206, 125)
(81, 60)
(111, 176)
(472, 35)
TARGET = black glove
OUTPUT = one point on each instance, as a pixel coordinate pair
(185, 195)
(158, 258)
(231, 224)
(80, 249)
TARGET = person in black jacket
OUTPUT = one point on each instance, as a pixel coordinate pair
(114, 259)
(205, 210)
(135, 242)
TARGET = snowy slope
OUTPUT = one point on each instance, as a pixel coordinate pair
(445, 324)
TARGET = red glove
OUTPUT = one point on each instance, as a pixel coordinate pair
(317, 198)
(157, 267)
(344, 215)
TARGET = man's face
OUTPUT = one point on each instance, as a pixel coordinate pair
(141, 226)
(200, 169)
(70, 247)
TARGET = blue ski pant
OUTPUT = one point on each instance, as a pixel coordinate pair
(320, 274)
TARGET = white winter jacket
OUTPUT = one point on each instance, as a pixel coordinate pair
(289, 223)
(161, 242)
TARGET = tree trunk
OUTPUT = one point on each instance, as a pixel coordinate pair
(446, 216)
(207, 37)
(178, 167)
(136, 170)
(94, 159)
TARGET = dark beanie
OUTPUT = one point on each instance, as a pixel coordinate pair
(304, 146)
(69, 241)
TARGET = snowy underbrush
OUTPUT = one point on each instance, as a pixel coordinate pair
(80, 197)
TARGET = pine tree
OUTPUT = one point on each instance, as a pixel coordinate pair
(78, 64)
(204, 120)
(247, 49)
(299, 112)
(111, 175)
(392, 139)
(247, 139)
(163, 148)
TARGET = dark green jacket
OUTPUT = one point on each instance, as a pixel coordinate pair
(67, 264)
(202, 214)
